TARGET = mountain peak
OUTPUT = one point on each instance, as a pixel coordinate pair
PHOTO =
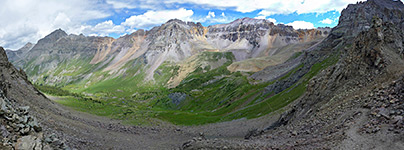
(3, 55)
(29, 44)
(59, 32)
(244, 21)
(175, 21)
(247, 20)
(27, 47)
(54, 36)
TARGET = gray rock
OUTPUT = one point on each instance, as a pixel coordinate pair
(24, 131)
(294, 133)
(3, 107)
(177, 97)
(34, 124)
(4, 132)
(28, 142)
(24, 110)
(397, 119)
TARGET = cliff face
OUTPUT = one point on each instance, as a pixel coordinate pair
(358, 17)
(174, 42)
(251, 38)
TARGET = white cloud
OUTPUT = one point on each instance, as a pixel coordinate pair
(120, 4)
(326, 21)
(336, 19)
(153, 18)
(301, 25)
(101, 29)
(29, 20)
(132, 4)
(212, 18)
(272, 20)
(270, 7)
(264, 17)
(260, 17)
(210, 15)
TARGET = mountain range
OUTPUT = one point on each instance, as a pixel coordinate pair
(248, 84)
(254, 43)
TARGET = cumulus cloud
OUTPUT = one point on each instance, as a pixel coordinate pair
(270, 7)
(28, 20)
(272, 20)
(212, 18)
(210, 15)
(260, 17)
(267, 7)
(102, 29)
(264, 17)
(326, 21)
(301, 25)
(152, 18)
(120, 4)
(132, 4)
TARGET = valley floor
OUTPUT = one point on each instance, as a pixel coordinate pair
(105, 133)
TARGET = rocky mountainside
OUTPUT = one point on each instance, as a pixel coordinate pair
(20, 128)
(355, 103)
(17, 55)
(317, 89)
(29, 120)
(253, 42)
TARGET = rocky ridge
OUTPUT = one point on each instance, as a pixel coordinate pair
(174, 41)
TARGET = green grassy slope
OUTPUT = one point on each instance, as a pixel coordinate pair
(213, 95)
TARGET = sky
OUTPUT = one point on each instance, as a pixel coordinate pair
(25, 21)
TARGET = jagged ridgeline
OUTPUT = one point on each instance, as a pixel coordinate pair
(324, 88)
(186, 69)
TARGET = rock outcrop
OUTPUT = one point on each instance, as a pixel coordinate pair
(19, 129)
(358, 17)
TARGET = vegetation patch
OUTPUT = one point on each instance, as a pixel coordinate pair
(212, 95)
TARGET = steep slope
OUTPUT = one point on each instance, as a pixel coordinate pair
(173, 69)
(19, 54)
(343, 92)
(257, 44)
(31, 121)
(19, 123)
(354, 103)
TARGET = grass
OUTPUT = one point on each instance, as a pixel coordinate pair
(229, 112)
(54, 91)
(214, 95)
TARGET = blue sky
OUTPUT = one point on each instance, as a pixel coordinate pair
(30, 20)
